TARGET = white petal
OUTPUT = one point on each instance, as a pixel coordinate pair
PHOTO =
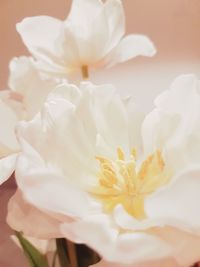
(106, 31)
(130, 46)
(72, 143)
(106, 106)
(99, 233)
(40, 184)
(178, 201)
(92, 45)
(83, 12)
(26, 218)
(42, 36)
(69, 92)
(8, 120)
(116, 21)
(173, 126)
(7, 167)
(26, 80)
(135, 120)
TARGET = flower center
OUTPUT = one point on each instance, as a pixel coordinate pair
(122, 182)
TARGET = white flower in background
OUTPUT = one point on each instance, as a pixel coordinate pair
(31, 86)
(91, 37)
(28, 91)
(130, 186)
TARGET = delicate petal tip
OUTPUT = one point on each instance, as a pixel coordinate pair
(7, 167)
(131, 46)
(39, 34)
(182, 86)
(185, 80)
(142, 45)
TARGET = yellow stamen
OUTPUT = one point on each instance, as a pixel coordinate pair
(120, 154)
(120, 182)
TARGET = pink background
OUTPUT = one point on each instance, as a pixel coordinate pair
(173, 25)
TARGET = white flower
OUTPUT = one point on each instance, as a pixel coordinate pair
(28, 91)
(91, 36)
(130, 186)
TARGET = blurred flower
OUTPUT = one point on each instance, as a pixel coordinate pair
(91, 37)
(27, 93)
(130, 186)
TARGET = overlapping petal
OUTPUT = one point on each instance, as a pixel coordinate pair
(32, 86)
(23, 217)
(28, 92)
(8, 143)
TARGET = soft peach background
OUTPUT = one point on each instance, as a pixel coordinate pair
(173, 25)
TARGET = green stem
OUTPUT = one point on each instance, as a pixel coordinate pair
(72, 253)
(36, 259)
(62, 252)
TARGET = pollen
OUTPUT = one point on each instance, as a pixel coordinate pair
(126, 182)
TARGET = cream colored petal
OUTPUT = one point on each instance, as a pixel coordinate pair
(70, 92)
(7, 167)
(42, 36)
(173, 125)
(40, 184)
(130, 46)
(72, 144)
(178, 201)
(135, 120)
(107, 105)
(99, 232)
(92, 46)
(83, 12)
(8, 120)
(26, 80)
(116, 22)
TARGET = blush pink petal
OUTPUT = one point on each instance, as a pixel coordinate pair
(24, 217)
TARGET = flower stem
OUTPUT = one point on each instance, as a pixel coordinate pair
(62, 252)
(72, 254)
(85, 72)
(54, 259)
